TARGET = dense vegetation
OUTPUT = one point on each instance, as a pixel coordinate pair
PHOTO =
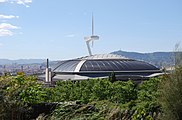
(171, 96)
(157, 98)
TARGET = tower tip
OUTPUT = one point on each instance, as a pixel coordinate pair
(92, 24)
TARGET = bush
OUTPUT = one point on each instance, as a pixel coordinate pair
(16, 93)
(171, 95)
(97, 98)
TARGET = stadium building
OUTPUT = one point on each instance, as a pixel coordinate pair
(100, 66)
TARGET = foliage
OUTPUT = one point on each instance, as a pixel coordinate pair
(171, 95)
(98, 98)
(110, 99)
(16, 92)
(112, 77)
(147, 95)
(98, 110)
(94, 90)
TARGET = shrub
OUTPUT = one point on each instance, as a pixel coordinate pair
(171, 95)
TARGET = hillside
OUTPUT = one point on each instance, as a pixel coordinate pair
(157, 58)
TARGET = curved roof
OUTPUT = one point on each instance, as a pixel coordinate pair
(103, 56)
(103, 63)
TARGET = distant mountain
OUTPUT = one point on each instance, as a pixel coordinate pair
(21, 61)
(157, 58)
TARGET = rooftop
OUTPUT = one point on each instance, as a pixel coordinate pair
(103, 56)
(103, 63)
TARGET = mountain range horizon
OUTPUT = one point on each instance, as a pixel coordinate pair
(156, 58)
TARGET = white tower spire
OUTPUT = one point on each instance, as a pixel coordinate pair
(92, 24)
(91, 38)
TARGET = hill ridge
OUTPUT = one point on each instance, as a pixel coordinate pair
(158, 59)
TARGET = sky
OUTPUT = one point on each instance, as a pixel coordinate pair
(55, 29)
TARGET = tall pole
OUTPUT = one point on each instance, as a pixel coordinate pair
(92, 24)
(47, 71)
(91, 38)
(47, 66)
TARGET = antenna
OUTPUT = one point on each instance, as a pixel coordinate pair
(92, 24)
(91, 38)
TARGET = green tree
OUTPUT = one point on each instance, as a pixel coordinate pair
(16, 92)
(112, 77)
(171, 95)
(123, 92)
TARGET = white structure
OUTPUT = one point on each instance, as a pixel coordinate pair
(48, 74)
(91, 38)
(101, 66)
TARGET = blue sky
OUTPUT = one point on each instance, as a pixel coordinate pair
(55, 28)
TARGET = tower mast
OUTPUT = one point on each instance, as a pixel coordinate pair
(91, 38)
(92, 24)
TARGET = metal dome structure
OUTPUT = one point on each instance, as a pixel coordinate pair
(101, 66)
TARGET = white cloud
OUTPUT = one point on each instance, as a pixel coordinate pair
(20, 2)
(3, 1)
(4, 32)
(1, 44)
(24, 2)
(70, 36)
(8, 16)
(5, 29)
(7, 26)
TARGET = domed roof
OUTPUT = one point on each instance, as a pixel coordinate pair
(103, 63)
(103, 56)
